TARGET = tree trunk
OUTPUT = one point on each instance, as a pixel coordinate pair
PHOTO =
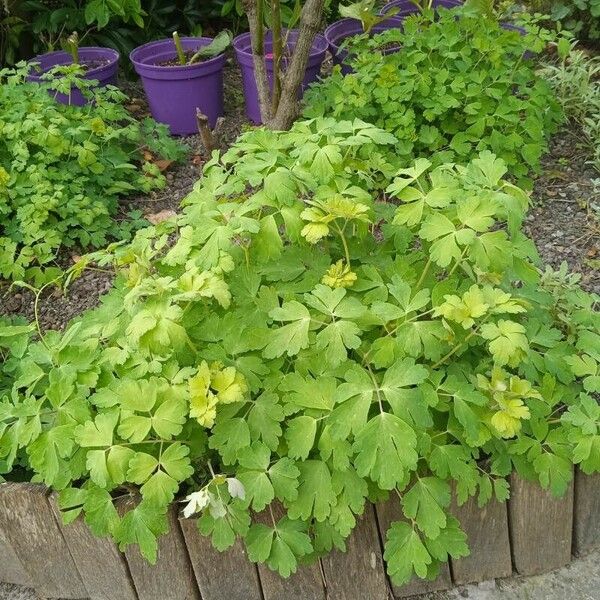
(279, 111)
(254, 12)
(288, 107)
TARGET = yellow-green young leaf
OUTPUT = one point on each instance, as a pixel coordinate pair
(508, 342)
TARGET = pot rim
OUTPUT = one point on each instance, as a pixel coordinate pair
(112, 55)
(145, 63)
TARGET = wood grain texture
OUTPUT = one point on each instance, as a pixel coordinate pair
(387, 513)
(28, 522)
(305, 584)
(540, 527)
(172, 577)
(102, 566)
(586, 530)
(220, 575)
(359, 572)
(11, 569)
(488, 539)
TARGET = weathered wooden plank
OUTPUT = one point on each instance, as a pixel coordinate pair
(487, 534)
(100, 563)
(540, 527)
(220, 575)
(586, 526)
(306, 583)
(28, 522)
(387, 513)
(358, 572)
(172, 577)
(11, 569)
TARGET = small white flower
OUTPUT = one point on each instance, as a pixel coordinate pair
(236, 488)
(196, 502)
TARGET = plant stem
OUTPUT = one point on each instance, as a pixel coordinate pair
(424, 273)
(73, 42)
(179, 48)
(277, 54)
(255, 13)
(454, 350)
(344, 243)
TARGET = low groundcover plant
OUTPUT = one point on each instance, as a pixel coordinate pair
(318, 329)
(63, 168)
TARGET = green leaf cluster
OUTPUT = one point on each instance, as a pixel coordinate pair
(460, 85)
(321, 327)
(580, 17)
(63, 169)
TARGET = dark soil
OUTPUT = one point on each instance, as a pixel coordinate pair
(89, 65)
(561, 220)
(174, 62)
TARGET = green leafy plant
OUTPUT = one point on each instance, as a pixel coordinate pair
(218, 45)
(575, 78)
(457, 86)
(319, 328)
(64, 168)
(50, 20)
(365, 12)
(581, 17)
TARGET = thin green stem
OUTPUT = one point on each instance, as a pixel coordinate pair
(454, 350)
(424, 272)
(344, 243)
(179, 48)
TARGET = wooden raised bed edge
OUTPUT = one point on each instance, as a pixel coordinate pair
(531, 533)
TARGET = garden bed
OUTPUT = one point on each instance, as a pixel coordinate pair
(561, 221)
(532, 533)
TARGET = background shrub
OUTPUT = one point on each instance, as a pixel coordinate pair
(455, 88)
(63, 169)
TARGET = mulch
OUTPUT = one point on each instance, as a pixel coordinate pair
(561, 220)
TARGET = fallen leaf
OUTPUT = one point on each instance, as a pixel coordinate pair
(163, 164)
(159, 217)
(197, 160)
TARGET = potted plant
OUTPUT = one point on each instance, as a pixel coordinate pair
(242, 46)
(181, 75)
(360, 18)
(97, 64)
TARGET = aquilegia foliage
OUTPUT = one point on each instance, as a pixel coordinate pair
(319, 328)
(457, 86)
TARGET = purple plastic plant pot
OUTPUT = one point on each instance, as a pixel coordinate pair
(105, 73)
(242, 45)
(341, 30)
(174, 92)
(406, 7)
